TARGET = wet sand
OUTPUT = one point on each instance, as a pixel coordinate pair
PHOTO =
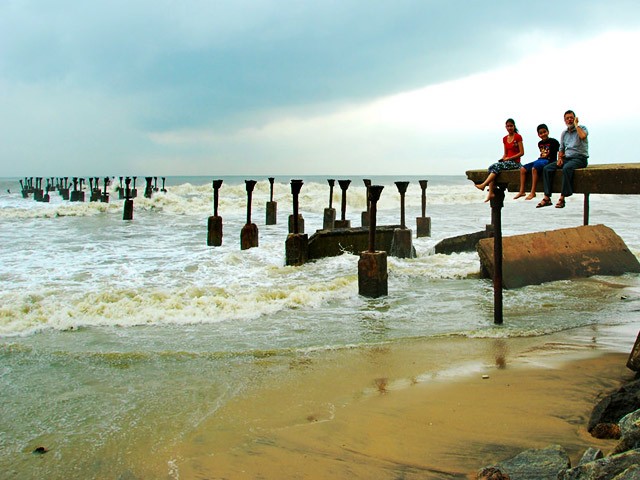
(419, 409)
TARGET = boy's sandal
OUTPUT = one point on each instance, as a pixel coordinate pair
(545, 202)
(560, 203)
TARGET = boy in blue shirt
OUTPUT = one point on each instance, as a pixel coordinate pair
(548, 153)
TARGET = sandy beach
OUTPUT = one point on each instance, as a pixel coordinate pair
(434, 409)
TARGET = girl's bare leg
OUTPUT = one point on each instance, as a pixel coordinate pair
(491, 192)
(489, 179)
(523, 178)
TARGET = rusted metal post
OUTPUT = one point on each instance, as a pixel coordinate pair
(128, 201)
(585, 212)
(272, 207)
(364, 217)
(249, 233)
(214, 224)
(329, 219)
(164, 190)
(372, 265)
(633, 362)
(343, 222)
(401, 245)
(497, 202)
(423, 223)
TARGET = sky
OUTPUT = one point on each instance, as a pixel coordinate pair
(303, 87)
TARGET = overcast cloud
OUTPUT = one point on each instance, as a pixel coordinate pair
(299, 87)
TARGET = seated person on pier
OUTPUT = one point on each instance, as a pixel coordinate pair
(574, 153)
(548, 153)
(513, 151)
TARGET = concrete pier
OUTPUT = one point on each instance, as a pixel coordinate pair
(372, 265)
(148, 189)
(329, 218)
(271, 207)
(249, 233)
(214, 223)
(343, 222)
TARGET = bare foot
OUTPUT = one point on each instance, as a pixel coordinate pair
(531, 196)
(489, 197)
(479, 186)
(520, 194)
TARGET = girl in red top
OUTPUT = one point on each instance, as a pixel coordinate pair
(513, 152)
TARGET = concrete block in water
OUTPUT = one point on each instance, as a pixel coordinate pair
(214, 231)
(372, 274)
(329, 219)
(300, 224)
(567, 253)
(296, 249)
(249, 236)
(272, 213)
(401, 245)
(423, 225)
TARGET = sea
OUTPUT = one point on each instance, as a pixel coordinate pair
(118, 332)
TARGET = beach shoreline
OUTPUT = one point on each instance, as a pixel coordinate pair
(377, 413)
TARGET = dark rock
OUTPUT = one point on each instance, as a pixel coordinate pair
(492, 473)
(631, 473)
(590, 455)
(630, 431)
(615, 406)
(606, 468)
(538, 464)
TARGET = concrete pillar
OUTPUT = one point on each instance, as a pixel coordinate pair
(128, 202)
(402, 246)
(272, 207)
(423, 223)
(155, 184)
(372, 265)
(64, 191)
(329, 219)
(364, 216)
(343, 222)
(148, 190)
(249, 233)
(297, 243)
(497, 202)
(214, 224)
(77, 195)
(105, 195)
(121, 192)
(134, 190)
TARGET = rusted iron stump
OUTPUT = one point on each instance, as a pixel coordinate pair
(634, 357)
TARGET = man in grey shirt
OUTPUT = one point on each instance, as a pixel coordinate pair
(574, 153)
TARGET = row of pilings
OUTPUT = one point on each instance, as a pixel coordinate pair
(372, 266)
(73, 189)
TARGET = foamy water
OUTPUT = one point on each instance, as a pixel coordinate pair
(105, 322)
